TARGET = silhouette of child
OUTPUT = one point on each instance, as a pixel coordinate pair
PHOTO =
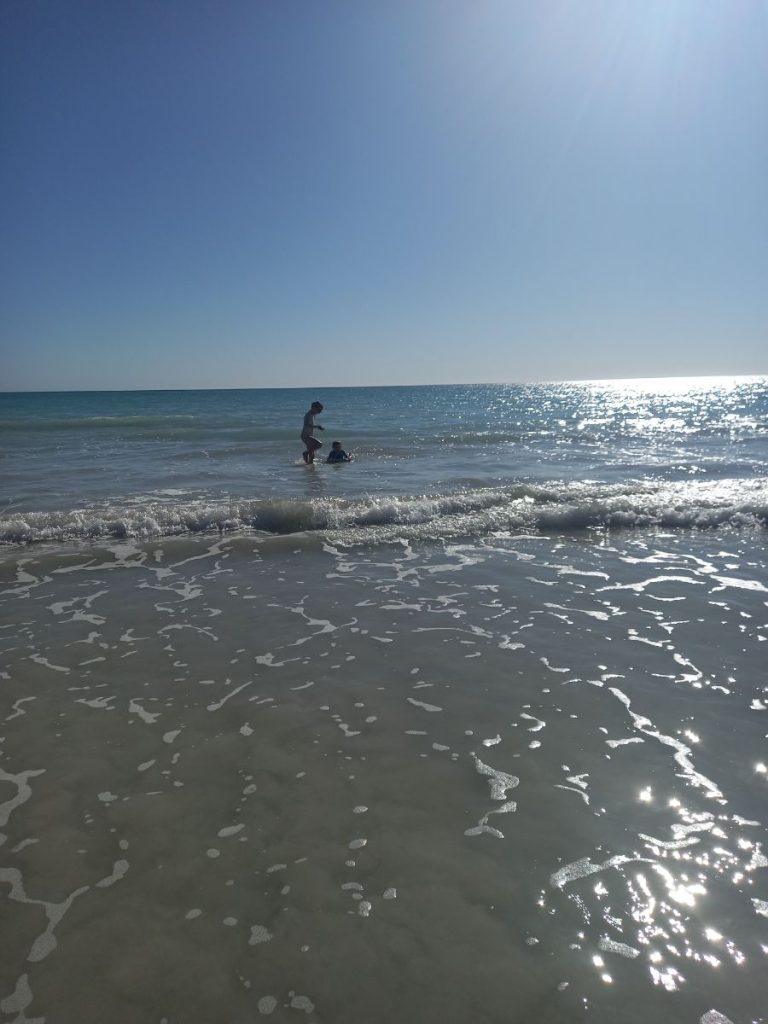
(337, 453)
(311, 443)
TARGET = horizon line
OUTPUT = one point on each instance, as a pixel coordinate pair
(341, 387)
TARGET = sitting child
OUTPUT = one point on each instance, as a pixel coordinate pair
(337, 453)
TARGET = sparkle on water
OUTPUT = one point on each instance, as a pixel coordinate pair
(419, 768)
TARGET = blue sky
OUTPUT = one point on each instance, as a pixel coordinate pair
(273, 192)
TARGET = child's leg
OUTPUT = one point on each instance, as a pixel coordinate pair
(307, 442)
(312, 447)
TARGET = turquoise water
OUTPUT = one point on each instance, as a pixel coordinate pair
(167, 462)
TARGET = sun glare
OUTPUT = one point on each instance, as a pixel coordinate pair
(672, 385)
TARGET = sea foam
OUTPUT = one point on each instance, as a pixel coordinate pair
(556, 507)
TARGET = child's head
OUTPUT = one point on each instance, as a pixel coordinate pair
(336, 445)
(317, 406)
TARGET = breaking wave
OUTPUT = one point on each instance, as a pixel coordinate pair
(553, 508)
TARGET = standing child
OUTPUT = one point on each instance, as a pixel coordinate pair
(310, 442)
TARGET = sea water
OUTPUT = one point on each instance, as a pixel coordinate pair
(473, 728)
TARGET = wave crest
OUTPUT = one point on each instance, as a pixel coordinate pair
(550, 508)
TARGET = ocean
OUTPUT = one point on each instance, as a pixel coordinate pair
(473, 728)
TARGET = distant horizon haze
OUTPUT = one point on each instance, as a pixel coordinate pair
(676, 380)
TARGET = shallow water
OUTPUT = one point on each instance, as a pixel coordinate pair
(463, 459)
(508, 778)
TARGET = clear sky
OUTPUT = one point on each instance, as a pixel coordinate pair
(244, 193)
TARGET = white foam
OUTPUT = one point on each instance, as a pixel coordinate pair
(40, 660)
(483, 827)
(19, 1000)
(302, 1003)
(491, 742)
(46, 942)
(23, 791)
(17, 708)
(621, 948)
(423, 704)
(554, 506)
(99, 703)
(119, 869)
(500, 782)
(538, 722)
(217, 704)
(230, 830)
(135, 708)
(584, 866)
(24, 844)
